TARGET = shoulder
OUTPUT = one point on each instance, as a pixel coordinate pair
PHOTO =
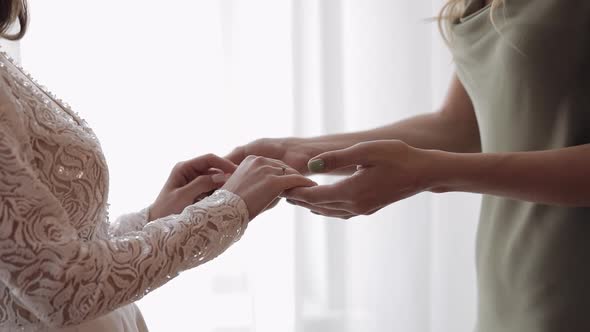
(11, 111)
(557, 11)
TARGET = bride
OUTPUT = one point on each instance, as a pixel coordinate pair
(63, 266)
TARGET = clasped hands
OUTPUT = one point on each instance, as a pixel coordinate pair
(377, 173)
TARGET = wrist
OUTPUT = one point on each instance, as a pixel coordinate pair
(442, 171)
(463, 172)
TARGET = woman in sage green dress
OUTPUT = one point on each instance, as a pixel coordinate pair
(515, 127)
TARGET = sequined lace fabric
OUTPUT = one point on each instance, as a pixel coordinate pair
(61, 261)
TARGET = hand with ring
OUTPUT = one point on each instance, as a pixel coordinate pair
(259, 181)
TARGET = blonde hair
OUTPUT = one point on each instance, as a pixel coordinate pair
(10, 12)
(454, 9)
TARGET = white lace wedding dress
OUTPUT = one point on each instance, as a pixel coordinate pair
(63, 266)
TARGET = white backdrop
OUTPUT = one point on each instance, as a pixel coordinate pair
(165, 81)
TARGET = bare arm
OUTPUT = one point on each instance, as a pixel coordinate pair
(555, 177)
(453, 128)
(392, 170)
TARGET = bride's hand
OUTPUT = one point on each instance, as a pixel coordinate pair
(188, 182)
(259, 181)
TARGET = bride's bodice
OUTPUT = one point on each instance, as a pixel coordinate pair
(64, 152)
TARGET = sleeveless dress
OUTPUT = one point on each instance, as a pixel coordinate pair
(529, 80)
(63, 266)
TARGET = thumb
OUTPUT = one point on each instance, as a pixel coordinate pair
(204, 184)
(333, 160)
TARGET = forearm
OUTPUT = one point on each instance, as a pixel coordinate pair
(436, 131)
(555, 177)
(454, 128)
(130, 222)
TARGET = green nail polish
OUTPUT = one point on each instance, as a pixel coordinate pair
(316, 166)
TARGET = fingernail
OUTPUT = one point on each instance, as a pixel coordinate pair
(316, 166)
(218, 178)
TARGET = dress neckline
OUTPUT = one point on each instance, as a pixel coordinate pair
(474, 8)
(48, 94)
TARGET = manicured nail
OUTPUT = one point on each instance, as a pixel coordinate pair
(316, 166)
(218, 178)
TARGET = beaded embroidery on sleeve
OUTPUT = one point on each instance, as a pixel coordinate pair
(60, 265)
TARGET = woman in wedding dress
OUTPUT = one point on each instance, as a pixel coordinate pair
(63, 266)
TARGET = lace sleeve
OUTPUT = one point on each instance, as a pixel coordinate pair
(63, 280)
(130, 222)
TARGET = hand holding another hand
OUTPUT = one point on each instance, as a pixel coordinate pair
(190, 181)
(293, 151)
(259, 181)
(387, 171)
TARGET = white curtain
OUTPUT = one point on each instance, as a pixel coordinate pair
(165, 81)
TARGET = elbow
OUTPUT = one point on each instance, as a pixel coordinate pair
(69, 306)
(71, 289)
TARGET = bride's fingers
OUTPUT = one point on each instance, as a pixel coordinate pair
(186, 171)
(272, 170)
(335, 213)
(280, 170)
(281, 164)
(273, 204)
(213, 171)
(330, 193)
(289, 181)
(203, 184)
(206, 162)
